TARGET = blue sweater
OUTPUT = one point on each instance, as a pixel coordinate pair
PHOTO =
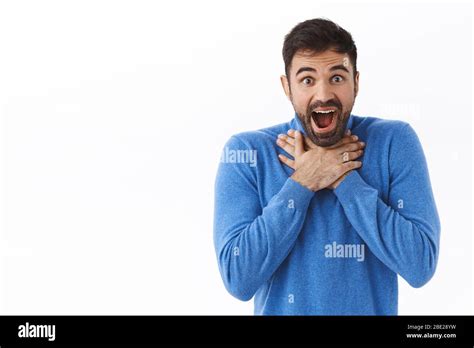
(331, 252)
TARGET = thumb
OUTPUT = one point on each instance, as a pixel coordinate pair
(299, 147)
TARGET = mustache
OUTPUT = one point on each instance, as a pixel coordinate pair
(318, 104)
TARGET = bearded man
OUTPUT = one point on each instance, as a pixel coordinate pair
(336, 206)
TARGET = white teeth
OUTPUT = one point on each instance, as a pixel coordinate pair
(324, 112)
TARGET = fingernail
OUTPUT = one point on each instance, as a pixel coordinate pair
(355, 137)
(281, 136)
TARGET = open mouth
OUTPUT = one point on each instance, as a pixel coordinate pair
(324, 120)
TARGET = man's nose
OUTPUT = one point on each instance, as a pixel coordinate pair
(323, 92)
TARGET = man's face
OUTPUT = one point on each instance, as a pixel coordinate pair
(322, 88)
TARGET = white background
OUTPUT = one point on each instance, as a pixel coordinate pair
(114, 113)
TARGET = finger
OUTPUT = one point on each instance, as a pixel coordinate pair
(350, 147)
(348, 132)
(345, 140)
(290, 140)
(350, 156)
(286, 146)
(299, 148)
(347, 166)
(307, 141)
(290, 163)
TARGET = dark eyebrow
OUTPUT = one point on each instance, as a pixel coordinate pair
(303, 69)
(339, 67)
(307, 68)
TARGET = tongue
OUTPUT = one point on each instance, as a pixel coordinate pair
(324, 120)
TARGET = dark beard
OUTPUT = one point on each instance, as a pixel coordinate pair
(332, 137)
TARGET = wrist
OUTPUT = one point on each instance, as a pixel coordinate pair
(311, 186)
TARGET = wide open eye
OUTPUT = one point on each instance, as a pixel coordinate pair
(307, 81)
(337, 79)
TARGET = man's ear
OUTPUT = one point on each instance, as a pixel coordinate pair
(286, 86)
(356, 84)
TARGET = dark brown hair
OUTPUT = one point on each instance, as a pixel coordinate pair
(318, 35)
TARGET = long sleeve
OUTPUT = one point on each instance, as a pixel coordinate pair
(252, 241)
(404, 232)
